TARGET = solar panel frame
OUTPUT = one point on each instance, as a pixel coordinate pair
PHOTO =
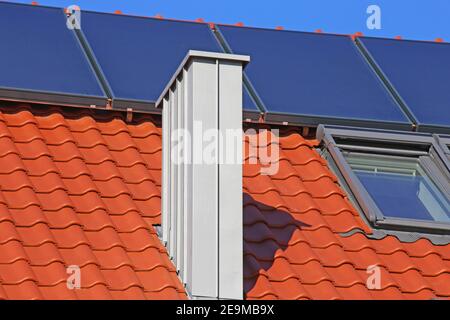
(308, 119)
(406, 106)
(250, 110)
(258, 105)
(120, 101)
(26, 93)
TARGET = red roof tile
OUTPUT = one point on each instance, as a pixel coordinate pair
(70, 182)
(83, 188)
(294, 250)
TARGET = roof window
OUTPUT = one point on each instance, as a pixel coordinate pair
(398, 180)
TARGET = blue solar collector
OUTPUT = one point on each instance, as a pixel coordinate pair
(313, 78)
(419, 72)
(42, 60)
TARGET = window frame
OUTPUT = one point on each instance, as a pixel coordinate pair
(408, 144)
(444, 142)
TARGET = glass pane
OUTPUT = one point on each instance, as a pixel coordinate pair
(401, 189)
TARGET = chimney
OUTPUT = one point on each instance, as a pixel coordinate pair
(201, 190)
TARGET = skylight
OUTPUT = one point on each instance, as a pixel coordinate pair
(401, 188)
(398, 180)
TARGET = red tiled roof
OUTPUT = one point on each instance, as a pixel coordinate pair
(293, 247)
(79, 187)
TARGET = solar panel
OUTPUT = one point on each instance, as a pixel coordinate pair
(138, 56)
(420, 74)
(251, 111)
(42, 60)
(313, 78)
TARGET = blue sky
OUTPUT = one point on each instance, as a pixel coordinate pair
(412, 19)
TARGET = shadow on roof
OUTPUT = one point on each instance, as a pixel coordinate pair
(268, 231)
